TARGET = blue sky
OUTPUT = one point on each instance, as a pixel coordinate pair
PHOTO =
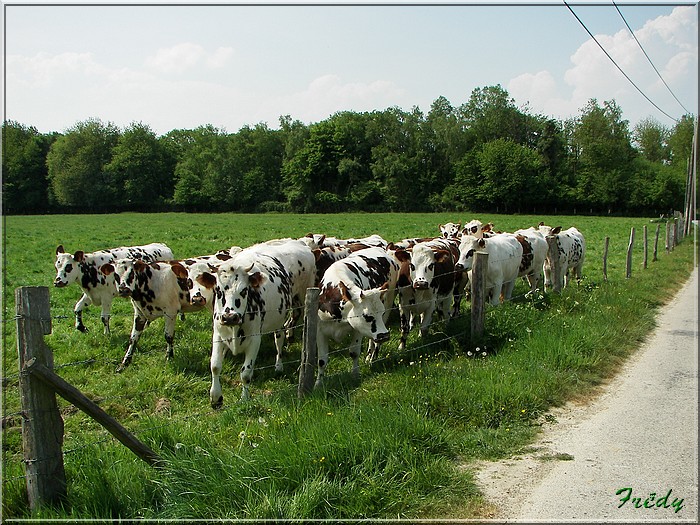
(174, 66)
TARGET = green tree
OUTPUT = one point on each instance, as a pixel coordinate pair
(141, 168)
(25, 175)
(76, 165)
(490, 114)
(651, 138)
(680, 141)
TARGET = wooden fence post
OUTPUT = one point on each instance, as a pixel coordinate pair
(308, 352)
(656, 243)
(555, 268)
(629, 254)
(42, 425)
(605, 259)
(675, 233)
(646, 248)
(478, 299)
(668, 236)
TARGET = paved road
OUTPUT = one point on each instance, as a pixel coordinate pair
(640, 434)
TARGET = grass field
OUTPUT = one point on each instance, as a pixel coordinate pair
(393, 445)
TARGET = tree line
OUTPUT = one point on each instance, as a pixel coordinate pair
(486, 155)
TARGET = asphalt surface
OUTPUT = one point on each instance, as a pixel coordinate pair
(638, 438)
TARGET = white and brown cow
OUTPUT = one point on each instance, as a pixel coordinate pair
(571, 248)
(427, 283)
(157, 289)
(505, 257)
(357, 294)
(534, 255)
(254, 294)
(98, 288)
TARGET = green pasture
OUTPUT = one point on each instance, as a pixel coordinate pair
(399, 443)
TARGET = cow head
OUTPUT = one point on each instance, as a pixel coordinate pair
(422, 265)
(548, 230)
(67, 267)
(128, 275)
(450, 230)
(234, 287)
(202, 284)
(364, 310)
(467, 247)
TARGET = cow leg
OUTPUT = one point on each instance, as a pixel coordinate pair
(426, 318)
(216, 362)
(83, 303)
(140, 323)
(508, 289)
(252, 345)
(496, 293)
(322, 355)
(405, 327)
(169, 335)
(279, 344)
(355, 350)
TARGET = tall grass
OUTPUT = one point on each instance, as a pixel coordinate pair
(393, 444)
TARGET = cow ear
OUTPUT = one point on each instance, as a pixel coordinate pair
(402, 255)
(441, 255)
(107, 269)
(344, 292)
(317, 253)
(59, 249)
(78, 256)
(139, 265)
(207, 280)
(179, 270)
(255, 279)
(540, 224)
(213, 268)
(482, 243)
(556, 230)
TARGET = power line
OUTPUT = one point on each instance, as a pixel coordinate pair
(615, 63)
(649, 59)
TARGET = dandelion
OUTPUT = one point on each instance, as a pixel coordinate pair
(241, 435)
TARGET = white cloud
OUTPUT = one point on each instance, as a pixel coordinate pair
(671, 42)
(182, 57)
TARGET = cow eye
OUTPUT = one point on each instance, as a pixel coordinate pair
(413, 267)
(431, 266)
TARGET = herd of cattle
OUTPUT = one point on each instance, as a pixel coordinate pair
(261, 289)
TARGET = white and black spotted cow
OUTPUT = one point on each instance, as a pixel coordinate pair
(571, 246)
(157, 289)
(255, 292)
(357, 294)
(477, 229)
(450, 230)
(427, 283)
(98, 288)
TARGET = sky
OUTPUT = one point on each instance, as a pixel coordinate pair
(175, 66)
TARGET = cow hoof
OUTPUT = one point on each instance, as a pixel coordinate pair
(279, 368)
(82, 328)
(218, 404)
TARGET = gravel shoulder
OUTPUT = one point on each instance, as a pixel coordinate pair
(640, 432)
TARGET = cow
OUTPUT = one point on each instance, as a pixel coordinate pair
(323, 241)
(477, 229)
(571, 247)
(534, 255)
(99, 289)
(157, 289)
(505, 257)
(407, 244)
(427, 282)
(327, 255)
(255, 292)
(450, 230)
(356, 296)
(200, 280)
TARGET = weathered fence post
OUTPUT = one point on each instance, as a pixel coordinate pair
(646, 248)
(675, 233)
(668, 236)
(629, 254)
(656, 243)
(308, 352)
(42, 425)
(555, 268)
(605, 259)
(478, 299)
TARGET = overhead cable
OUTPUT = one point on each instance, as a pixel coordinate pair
(649, 59)
(615, 63)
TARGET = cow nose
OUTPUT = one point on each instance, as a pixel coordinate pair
(420, 284)
(58, 283)
(459, 267)
(198, 300)
(231, 319)
(124, 291)
(382, 337)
